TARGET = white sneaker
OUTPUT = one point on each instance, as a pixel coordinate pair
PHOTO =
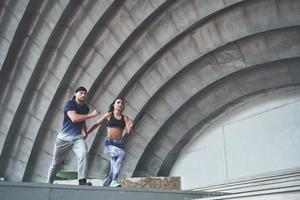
(114, 184)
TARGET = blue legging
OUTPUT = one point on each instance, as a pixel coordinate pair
(117, 156)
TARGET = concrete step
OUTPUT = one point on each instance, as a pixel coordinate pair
(41, 191)
(283, 185)
(284, 193)
(275, 180)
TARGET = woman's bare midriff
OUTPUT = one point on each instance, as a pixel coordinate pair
(114, 133)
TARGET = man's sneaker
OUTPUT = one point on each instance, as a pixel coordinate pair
(83, 182)
(114, 184)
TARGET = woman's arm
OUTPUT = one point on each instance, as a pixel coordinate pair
(129, 125)
(84, 131)
(103, 119)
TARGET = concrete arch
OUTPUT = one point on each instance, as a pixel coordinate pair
(162, 150)
(77, 72)
(44, 72)
(146, 50)
(62, 90)
(106, 97)
(134, 67)
(18, 68)
(11, 13)
(195, 77)
(144, 139)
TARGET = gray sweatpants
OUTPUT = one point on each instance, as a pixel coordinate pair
(61, 150)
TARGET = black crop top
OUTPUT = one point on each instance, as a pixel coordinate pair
(113, 122)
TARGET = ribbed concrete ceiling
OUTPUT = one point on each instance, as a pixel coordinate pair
(177, 63)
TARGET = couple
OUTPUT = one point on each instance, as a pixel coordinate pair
(74, 131)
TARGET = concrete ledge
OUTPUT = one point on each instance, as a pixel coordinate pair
(35, 191)
(162, 183)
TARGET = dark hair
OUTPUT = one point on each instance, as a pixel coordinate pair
(78, 90)
(111, 107)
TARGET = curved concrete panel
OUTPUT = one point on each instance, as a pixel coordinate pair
(207, 70)
(195, 112)
(155, 119)
(128, 68)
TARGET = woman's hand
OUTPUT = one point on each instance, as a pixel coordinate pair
(85, 134)
(129, 125)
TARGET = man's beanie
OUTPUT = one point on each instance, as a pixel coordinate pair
(80, 89)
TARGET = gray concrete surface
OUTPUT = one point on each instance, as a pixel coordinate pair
(33, 191)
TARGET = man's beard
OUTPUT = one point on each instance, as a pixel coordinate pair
(81, 100)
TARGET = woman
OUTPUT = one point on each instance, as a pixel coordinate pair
(116, 123)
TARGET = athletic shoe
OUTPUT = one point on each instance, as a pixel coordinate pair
(83, 182)
(114, 184)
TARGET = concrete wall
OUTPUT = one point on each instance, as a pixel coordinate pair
(258, 136)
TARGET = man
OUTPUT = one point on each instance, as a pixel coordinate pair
(72, 136)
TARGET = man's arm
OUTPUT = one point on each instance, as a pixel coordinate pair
(75, 117)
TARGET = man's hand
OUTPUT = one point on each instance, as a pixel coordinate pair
(95, 112)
